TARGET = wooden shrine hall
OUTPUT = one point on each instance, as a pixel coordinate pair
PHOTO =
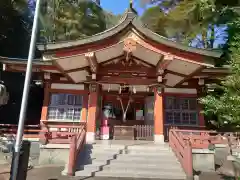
(124, 83)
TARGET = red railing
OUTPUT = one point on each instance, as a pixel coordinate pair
(180, 127)
(58, 133)
(30, 131)
(182, 150)
(74, 135)
(77, 143)
(202, 139)
(183, 141)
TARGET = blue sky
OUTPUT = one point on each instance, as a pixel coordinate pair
(119, 6)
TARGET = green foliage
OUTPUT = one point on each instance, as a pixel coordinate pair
(193, 22)
(226, 106)
(70, 20)
(111, 19)
(15, 28)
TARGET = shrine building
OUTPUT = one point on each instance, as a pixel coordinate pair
(122, 81)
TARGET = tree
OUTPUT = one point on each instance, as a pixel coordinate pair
(226, 105)
(157, 20)
(198, 21)
(15, 28)
(70, 20)
(111, 19)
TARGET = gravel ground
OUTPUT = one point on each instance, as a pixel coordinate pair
(54, 173)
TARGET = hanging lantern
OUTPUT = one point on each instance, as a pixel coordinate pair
(4, 95)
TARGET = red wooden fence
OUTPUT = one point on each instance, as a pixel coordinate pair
(183, 141)
(77, 143)
(182, 150)
(59, 134)
(144, 132)
(30, 131)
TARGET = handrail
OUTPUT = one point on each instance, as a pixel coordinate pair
(203, 139)
(183, 151)
(58, 133)
(77, 142)
(11, 129)
(15, 125)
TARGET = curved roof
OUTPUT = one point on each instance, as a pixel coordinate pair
(129, 19)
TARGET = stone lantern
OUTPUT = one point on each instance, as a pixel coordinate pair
(4, 95)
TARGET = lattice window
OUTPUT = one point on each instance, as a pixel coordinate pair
(182, 111)
(65, 107)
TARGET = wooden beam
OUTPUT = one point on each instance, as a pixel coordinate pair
(112, 59)
(62, 71)
(174, 73)
(116, 68)
(190, 76)
(163, 63)
(77, 69)
(145, 62)
(92, 61)
(126, 80)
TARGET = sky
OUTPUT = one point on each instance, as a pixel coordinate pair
(119, 6)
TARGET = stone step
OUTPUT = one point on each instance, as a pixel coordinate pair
(151, 167)
(148, 153)
(108, 171)
(102, 150)
(149, 148)
(146, 160)
(141, 174)
(99, 153)
(100, 156)
(105, 146)
(167, 164)
(84, 173)
(150, 157)
(97, 162)
(136, 167)
(90, 167)
(129, 161)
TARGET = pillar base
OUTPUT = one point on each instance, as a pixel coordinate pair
(159, 138)
(90, 137)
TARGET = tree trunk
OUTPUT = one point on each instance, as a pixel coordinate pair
(204, 39)
(212, 36)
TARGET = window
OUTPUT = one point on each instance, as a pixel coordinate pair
(65, 107)
(181, 111)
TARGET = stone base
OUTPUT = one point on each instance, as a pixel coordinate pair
(105, 137)
(203, 160)
(159, 138)
(90, 137)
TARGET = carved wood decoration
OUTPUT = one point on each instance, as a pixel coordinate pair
(163, 63)
(91, 58)
(129, 45)
(134, 68)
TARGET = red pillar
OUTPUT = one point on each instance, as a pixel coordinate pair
(42, 134)
(158, 116)
(45, 102)
(92, 115)
(84, 109)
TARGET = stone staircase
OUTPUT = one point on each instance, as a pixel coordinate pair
(135, 161)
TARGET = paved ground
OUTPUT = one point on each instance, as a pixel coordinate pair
(54, 173)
